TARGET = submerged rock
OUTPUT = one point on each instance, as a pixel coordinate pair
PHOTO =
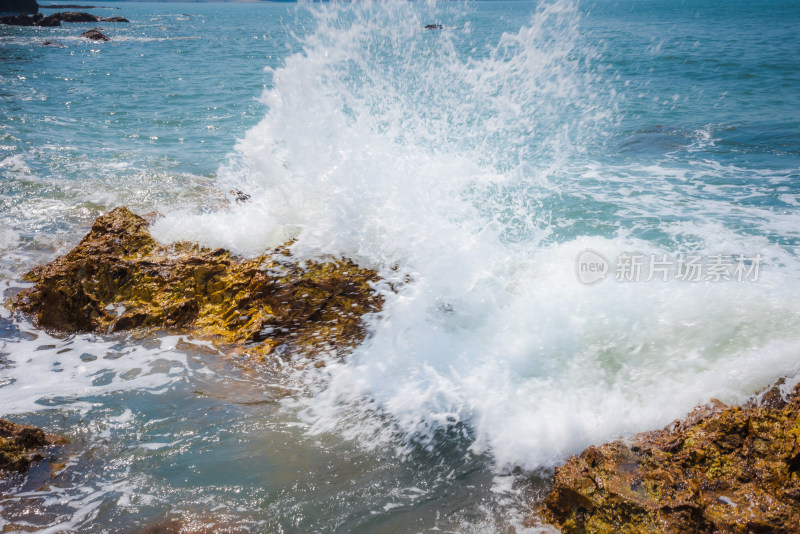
(119, 278)
(722, 469)
(95, 35)
(21, 445)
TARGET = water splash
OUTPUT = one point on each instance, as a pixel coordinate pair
(478, 169)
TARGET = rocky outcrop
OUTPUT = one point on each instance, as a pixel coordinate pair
(48, 22)
(74, 16)
(21, 445)
(56, 19)
(16, 7)
(21, 20)
(95, 35)
(722, 469)
(73, 6)
(118, 278)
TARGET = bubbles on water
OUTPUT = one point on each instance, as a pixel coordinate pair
(41, 372)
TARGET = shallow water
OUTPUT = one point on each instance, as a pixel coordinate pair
(479, 161)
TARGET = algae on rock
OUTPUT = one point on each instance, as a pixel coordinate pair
(722, 469)
(119, 278)
(21, 445)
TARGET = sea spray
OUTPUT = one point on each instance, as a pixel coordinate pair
(475, 172)
(476, 165)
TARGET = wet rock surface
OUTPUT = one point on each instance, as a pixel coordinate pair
(95, 35)
(722, 469)
(118, 278)
(22, 445)
(74, 16)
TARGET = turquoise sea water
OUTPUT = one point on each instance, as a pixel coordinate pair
(481, 161)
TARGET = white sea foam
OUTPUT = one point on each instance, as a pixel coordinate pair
(39, 372)
(16, 164)
(470, 169)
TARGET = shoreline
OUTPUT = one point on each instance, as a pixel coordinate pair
(681, 477)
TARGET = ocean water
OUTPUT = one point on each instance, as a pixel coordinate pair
(593, 208)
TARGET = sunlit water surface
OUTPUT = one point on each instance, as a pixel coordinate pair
(479, 162)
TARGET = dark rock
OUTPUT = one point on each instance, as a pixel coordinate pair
(722, 469)
(68, 6)
(21, 445)
(75, 16)
(18, 20)
(240, 196)
(15, 7)
(433, 26)
(56, 19)
(95, 35)
(119, 278)
(49, 22)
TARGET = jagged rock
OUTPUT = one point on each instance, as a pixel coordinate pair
(433, 26)
(722, 469)
(95, 35)
(113, 19)
(49, 22)
(119, 278)
(21, 445)
(19, 20)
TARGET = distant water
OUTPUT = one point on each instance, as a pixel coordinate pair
(597, 204)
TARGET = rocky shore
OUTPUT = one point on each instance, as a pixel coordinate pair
(118, 278)
(722, 469)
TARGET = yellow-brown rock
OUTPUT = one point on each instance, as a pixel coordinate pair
(21, 445)
(722, 469)
(119, 278)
